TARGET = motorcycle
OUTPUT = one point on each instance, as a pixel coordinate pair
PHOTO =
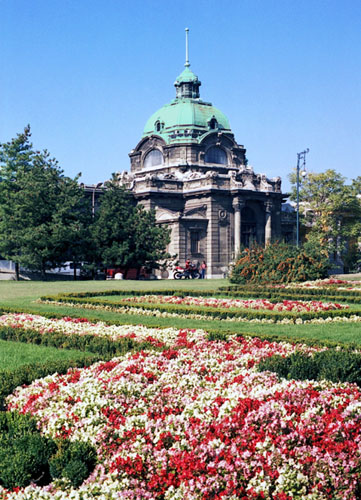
(190, 273)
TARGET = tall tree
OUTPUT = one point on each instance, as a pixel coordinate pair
(331, 209)
(14, 156)
(43, 219)
(127, 235)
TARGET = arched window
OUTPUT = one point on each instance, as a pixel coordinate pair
(213, 124)
(216, 155)
(153, 158)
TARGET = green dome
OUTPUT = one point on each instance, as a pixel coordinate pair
(195, 116)
(187, 118)
(187, 75)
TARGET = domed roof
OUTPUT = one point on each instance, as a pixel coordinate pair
(187, 118)
(194, 115)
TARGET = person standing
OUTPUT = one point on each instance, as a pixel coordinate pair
(203, 269)
(188, 269)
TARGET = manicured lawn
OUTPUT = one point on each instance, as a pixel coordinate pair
(16, 354)
(24, 295)
(194, 418)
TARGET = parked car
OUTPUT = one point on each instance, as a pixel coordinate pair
(131, 274)
(67, 269)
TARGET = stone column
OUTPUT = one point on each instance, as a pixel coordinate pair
(237, 205)
(268, 225)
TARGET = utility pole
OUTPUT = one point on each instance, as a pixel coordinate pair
(300, 156)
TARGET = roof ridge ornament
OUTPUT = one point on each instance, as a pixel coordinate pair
(187, 64)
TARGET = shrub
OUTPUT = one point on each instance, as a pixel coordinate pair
(28, 457)
(24, 453)
(74, 461)
(279, 263)
(336, 366)
(10, 379)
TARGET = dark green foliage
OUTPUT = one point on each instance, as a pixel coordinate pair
(126, 235)
(73, 460)
(43, 214)
(214, 312)
(26, 456)
(10, 379)
(329, 293)
(279, 263)
(218, 336)
(104, 349)
(24, 453)
(297, 366)
(330, 208)
(334, 365)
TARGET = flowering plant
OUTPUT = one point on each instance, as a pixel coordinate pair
(201, 423)
(335, 284)
(257, 304)
(354, 318)
(81, 326)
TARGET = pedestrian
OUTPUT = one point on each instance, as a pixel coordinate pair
(203, 269)
(188, 269)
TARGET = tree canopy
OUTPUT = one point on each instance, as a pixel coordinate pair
(43, 217)
(125, 234)
(330, 208)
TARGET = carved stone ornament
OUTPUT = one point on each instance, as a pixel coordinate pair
(222, 214)
(200, 210)
(268, 206)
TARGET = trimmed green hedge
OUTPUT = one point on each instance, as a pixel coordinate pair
(267, 292)
(240, 291)
(101, 346)
(26, 374)
(333, 365)
(28, 457)
(212, 312)
(103, 349)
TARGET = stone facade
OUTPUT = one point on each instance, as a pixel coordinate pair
(191, 171)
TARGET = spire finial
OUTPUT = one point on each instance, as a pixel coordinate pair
(187, 59)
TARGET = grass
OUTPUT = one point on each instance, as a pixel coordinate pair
(15, 354)
(24, 294)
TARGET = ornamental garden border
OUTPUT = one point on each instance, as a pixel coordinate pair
(89, 299)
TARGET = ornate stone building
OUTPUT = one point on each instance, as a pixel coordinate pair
(190, 169)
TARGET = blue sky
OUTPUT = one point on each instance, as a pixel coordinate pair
(87, 74)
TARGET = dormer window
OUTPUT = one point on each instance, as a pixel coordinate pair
(216, 155)
(213, 124)
(153, 159)
(158, 126)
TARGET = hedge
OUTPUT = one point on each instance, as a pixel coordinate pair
(333, 365)
(353, 296)
(212, 312)
(103, 349)
(27, 457)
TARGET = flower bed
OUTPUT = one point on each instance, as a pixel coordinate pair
(256, 304)
(82, 326)
(328, 283)
(281, 319)
(201, 423)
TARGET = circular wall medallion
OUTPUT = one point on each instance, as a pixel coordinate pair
(222, 214)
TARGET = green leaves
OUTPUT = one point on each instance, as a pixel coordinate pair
(43, 219)
(279, 263)
(127, 235)
(331, 209)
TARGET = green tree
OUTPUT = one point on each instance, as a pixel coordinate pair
(126, 235)
(43, 217)
(331, 210)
